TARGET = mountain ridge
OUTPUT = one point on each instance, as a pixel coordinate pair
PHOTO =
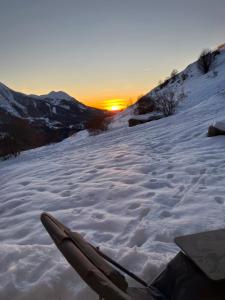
(51, 117)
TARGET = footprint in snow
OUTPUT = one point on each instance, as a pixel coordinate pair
(41, 189)
(98, 216)
(144, 212)
(170, 175)
(65, 194)
(134, 205)
(24, 183)
(153, 180)
(138, 239)
(219, 200)
(165, 214)
(170, 167)
(181, 188)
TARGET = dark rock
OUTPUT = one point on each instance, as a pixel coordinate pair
(135, 122)
(213, 131)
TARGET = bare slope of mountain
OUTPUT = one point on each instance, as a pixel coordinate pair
(38, 120)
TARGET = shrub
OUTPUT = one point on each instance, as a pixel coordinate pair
(173, 75)
(167, 101)
(97, 124)
(216, 52)
(205, 61)
(144, 105)
(165, 83)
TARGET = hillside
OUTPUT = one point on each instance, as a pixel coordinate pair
(195, 86)
(129, 190)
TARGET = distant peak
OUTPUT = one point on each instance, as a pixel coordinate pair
(60, 95)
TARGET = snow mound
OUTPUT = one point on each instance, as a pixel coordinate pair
(220, 125)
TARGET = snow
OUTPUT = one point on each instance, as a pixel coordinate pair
(196, 88)
(54, 110)
(129, 190)
(220, 125)
(57, 96)
(7, 100)
(65, 107)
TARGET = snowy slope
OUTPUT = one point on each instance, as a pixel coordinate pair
(7, 101)
(130, 190)
(197, 87)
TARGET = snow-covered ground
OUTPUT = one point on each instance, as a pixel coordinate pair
(129, 190)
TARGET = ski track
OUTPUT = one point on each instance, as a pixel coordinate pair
(129, 190)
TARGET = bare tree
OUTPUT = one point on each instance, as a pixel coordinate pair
(173, 75)
(205, 61)
(167, 101)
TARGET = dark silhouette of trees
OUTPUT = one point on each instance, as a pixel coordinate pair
(20, 135)
(24, 133)
(144, 105)
(205, 61)
(8, 147)
(97, 124)
(173, 75)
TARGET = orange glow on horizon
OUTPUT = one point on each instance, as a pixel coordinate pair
(113, 104)
(93, 100)
(115, 107)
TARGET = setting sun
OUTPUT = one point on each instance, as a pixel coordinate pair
(114, 104)
(115, 107)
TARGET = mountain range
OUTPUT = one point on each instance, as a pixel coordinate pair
(39, 120)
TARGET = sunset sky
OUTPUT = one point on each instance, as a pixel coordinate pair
(102, 51)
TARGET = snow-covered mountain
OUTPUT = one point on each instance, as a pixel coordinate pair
(130, 190)
(58, 97)
(56, 109)
(53, 116)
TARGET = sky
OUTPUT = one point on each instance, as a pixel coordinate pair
(103, 51)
